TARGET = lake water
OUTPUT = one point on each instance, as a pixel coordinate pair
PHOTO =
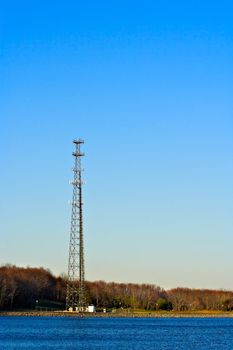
(116, 333)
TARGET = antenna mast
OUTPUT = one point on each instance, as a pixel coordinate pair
(75, 296)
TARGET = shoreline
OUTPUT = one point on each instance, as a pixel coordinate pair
(170, 314)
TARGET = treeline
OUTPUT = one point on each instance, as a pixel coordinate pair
(30, 288)
(22, 288)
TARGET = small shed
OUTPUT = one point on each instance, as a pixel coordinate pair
(91, 308)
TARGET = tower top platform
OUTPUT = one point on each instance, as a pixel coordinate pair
(78, 142)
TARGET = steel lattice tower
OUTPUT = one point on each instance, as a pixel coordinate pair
(75, 296)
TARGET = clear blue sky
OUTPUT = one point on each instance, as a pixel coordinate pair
(148, 85)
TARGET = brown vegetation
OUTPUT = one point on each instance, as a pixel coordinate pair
(30, 288)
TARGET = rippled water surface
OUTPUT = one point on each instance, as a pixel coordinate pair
(115, 333)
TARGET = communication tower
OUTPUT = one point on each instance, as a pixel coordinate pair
(75, 294)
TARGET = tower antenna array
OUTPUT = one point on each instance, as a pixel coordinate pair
(75, 295)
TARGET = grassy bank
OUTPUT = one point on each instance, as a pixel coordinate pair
(155, 314)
